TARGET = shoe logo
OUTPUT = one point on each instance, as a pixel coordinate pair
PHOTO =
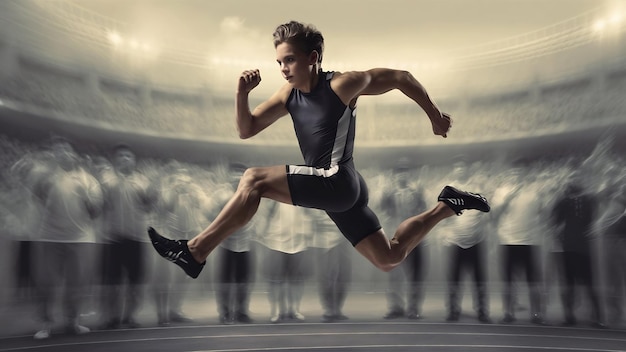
(172, 256)
(456, 201)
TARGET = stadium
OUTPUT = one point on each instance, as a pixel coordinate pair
(547, 97)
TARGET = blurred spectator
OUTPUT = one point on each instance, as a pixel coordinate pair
(401, 202)
(285, 235)
(465, 236)
(185, 209)
(573, 216)
(128, 197)
(21, 204)
(516, 208)
(612, 226)
(235, 273)
(235, 276)
(334, 266)
(64, 249)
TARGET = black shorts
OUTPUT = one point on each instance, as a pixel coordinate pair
(341, 192)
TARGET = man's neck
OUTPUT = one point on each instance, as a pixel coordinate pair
(313, 80)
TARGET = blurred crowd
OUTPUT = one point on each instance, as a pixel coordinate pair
(75, 229)
(87, 98)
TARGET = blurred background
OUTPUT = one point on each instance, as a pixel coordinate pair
(531, 85)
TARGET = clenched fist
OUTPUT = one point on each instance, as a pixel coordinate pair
(442, 125)
(248, 80)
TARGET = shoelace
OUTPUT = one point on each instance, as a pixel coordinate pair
(476, 195)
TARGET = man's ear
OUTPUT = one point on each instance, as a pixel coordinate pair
(314, 57)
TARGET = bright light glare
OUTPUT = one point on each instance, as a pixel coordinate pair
(114, 38)
(599, 26)
(616, 19)
(612, 23)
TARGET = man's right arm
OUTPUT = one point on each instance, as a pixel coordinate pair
(250, 123)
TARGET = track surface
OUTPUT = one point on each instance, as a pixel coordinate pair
(351, 336)
(365, 331)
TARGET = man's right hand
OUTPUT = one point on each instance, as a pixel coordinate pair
(248, 81)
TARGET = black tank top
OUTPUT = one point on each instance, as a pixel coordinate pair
(324, 125)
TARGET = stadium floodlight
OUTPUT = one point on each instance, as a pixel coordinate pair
(599, 26)
(114, 38)
(216, 60)
(616, 19)
(610, 23)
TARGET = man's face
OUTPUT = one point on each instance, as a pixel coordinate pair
(295, 66)
(402, 178)
(460, 171)
(125, 160)
(65, 155)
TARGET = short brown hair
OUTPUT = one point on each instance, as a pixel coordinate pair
(305, 37)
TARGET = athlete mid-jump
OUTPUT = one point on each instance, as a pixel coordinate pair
(322, 106)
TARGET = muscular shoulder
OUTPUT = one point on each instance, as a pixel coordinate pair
(283, 92)
(280, 96)
(275, 106)
(350, 79)
(348, 85)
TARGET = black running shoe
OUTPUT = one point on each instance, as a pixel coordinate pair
(177, 252)
(459, 200)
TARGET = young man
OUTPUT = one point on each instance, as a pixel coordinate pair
(322, 106)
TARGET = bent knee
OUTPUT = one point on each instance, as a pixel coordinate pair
(261, 180)
(251, 179)
(377, 250)
(385, 267)
(388, 263)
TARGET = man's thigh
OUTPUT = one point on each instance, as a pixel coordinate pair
(271, 180)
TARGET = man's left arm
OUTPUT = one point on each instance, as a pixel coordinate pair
(350, 85)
